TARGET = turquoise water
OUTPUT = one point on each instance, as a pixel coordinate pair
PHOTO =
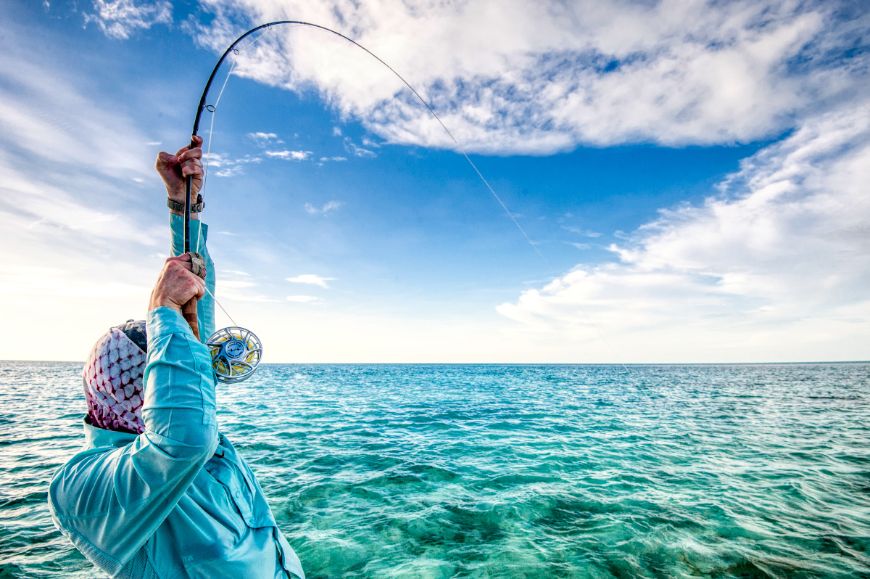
(509, 471)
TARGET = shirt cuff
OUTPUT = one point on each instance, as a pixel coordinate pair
(165, 321)
(198, 234)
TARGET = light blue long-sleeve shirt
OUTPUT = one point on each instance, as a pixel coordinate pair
(176, 500)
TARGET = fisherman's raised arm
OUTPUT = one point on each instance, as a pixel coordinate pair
(174, 169)
(111, 503)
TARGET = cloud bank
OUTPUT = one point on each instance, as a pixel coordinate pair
(512, 76)
(776, 265)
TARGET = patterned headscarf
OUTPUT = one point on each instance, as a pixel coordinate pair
(113, 378)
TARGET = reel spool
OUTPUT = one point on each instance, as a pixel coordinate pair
(235, 354)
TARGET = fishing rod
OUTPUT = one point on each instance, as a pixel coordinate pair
(236, 351)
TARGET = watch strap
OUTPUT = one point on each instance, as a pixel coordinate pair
(194, 208)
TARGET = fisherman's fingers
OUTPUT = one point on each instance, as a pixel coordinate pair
(187, 154)
(183, 258)
(191, 168)
(197, 144)
(186, 261)
(187, 284)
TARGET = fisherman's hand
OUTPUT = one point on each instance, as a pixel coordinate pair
(174, 170)
(177, 285)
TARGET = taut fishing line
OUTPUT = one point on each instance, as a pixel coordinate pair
(236, 351)
(213, 110)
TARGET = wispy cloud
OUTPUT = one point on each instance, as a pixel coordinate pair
(69, 205)
(303, 299)
(122, 18)
(358, 151)
(325, 209)
(54, 141)
(289, 155)
(580, 231)
(263, 139)
(311, 279)
(222, 165)
(577, 245)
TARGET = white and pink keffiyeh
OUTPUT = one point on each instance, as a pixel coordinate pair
(113, 383)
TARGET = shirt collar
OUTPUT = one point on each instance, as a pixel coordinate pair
(96, 437)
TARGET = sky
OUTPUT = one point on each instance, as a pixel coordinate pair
(683, 181)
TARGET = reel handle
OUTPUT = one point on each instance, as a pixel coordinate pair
(188, 185)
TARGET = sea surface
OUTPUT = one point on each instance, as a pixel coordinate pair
(508, 471)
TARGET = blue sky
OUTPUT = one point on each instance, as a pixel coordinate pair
(693, 177)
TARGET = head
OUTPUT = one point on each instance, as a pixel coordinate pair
(113, 378)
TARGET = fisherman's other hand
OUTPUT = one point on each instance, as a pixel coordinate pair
(174, 170)
(177, 284)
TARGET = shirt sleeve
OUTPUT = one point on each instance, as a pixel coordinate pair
(112, 502)
(198, 243)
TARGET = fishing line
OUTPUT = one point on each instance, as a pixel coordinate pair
(214, 108)
(208, 291)
(232, 48)
(236, 352)
(211, 126)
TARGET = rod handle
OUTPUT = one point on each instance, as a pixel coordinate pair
(189, 313)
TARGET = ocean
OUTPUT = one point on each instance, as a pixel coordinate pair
(508, 471)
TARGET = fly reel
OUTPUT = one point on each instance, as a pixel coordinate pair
(235, 354)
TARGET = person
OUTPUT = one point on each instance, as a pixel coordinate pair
(158, 491)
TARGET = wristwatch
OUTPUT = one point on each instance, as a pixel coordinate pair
(194, 208)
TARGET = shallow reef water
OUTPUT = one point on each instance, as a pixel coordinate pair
(508, 471)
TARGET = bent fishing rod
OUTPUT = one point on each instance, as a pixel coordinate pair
(236, 351)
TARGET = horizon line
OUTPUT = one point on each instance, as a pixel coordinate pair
(769, 363)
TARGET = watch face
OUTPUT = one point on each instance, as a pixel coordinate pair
(235, 348)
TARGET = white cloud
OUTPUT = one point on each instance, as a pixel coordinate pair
(537, 77)
(311, 279)
(121, 18)
(358, 151)
(578, 245)
(230, 172)
(263, 139)
(236, 284)
(303, 299)
(289, 155)
(336, 159)
(580, 231)
(776, 264)
(225, 166)
(324, 209)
